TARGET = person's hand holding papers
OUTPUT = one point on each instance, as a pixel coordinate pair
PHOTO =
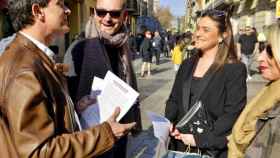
(85, 102)
(118, 129)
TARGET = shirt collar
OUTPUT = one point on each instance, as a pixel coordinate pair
(40, 45)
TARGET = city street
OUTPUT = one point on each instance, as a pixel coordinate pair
(154, 91)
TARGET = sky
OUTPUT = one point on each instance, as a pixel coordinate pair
(177, 7)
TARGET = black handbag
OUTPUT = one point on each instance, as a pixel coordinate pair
(196, 120)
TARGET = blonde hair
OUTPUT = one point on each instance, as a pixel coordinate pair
(273, 38)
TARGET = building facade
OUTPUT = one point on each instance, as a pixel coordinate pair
(156, 5)
(133, 13)
(254, 13)
(192, 6)
(150, 7)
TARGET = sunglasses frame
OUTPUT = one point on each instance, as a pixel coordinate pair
(113, 13)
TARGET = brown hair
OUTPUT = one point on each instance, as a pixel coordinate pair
(226, 49)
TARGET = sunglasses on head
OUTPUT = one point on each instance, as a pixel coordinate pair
(267, 47)
(113, 13)
(214, 12)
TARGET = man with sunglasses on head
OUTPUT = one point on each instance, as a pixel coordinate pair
(37, 116)
(105, 49)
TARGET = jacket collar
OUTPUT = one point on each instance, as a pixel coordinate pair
(47, 62)
(40, 45)
(30, 45)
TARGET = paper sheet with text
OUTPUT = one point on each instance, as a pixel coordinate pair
(116, 93)
(111, 92)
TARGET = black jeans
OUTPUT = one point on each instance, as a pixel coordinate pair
(157, 53)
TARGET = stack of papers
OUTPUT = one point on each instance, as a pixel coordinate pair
(112, 92)
(161, 126)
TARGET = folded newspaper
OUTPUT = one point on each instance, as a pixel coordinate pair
(111, 92)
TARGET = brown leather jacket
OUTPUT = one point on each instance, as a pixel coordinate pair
(36, 114)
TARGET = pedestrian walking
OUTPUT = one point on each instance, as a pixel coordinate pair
(157, 46)
(146, 53)
(132, 45)
(247, 47)
(177, 54)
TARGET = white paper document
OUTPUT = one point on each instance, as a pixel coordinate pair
(116, 93)
(161, 126)
(111, 92)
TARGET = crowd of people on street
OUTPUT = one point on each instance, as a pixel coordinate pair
(41, 100)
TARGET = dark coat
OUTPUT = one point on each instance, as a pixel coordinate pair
(87, 53)
(224, 98)
(146, 50)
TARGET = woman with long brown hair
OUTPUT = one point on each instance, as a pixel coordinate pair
(215, 78)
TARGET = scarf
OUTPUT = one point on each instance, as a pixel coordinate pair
(244, 129)
(120, 41)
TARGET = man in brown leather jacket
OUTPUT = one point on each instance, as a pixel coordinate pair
(37, 118)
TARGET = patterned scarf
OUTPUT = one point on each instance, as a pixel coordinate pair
(119, 41)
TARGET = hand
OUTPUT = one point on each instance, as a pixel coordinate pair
(188, 139)
(118, 129)
(85, 102)
(173, 131)
(60, 67)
